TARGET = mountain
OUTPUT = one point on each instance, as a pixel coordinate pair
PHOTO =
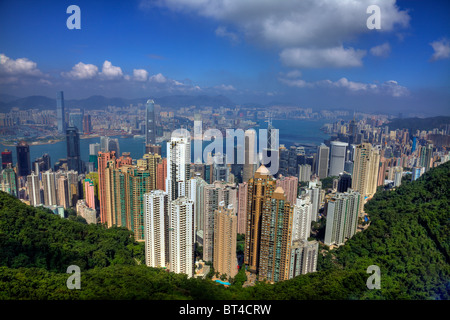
(101, 102)
(408, 239)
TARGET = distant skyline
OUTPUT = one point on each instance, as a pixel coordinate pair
(311, 53)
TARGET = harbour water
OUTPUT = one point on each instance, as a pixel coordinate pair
(291, 132)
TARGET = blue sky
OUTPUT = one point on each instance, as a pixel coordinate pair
(307, 53)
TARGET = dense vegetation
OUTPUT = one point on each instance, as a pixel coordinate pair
(408, 239)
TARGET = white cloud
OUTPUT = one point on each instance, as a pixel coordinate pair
(441, 49)
(223, 32)
(329, 57)
(81, 71)
(224, 87)
(140, 74)
(390, 87)
(18, 67)
(382, 50)
(312, 25)
(158, 78)
(110, 72)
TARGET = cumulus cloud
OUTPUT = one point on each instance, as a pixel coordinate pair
(158, 78)
(110, 72)
(441, 49)
(382, 50)
(312, 25)
(18, 67)
(81, 71)
(328, 57)
(140, 74)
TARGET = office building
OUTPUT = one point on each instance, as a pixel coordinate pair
(276, 237)
(34, 189)
(342, 217)
(225, 234)
(322, 161)
(9, 181)
(23, 159)
(242, 207)
(337, 158)
(76, 121)
(150, 131)
(214, 194)
(181, 236)
(83, 210)
(259, 195)
(7, 158)
(49, 184)
(301, 222)
(345, 182)
(60, 113)
(303, 257)
(178, 167)
(290, 186)
(73, 149)
(156, 221)
(304, 172)
(365, 171)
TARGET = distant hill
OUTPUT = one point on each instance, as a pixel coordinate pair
(413, 124)
(100, 102)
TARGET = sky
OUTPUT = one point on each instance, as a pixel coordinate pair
(308, 53)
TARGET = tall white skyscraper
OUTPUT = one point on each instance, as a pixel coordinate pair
(301, 223)
(342, 217)
(337, 158)
(322, 161)
(314, 194)
(178, 166)
(303, 257)
(156, 224)
(49, 183)
(34, 190)
(181, 236)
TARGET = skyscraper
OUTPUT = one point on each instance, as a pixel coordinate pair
(260, 189)
(49, 183)
(213, 195)
(76, 121)
(342, 217)
(225, 233)
(178, 166)
(9, 181)
(73, 149)
(322, 161)
(304, 172)
(290, 186)
(61, 123)
(23, 159)
(150, 132)
(156, 222)
(303, 257)
(103, 158)
(345, 182)
(337, 157)
(276, 237)
(301, 223)
(6, 158)
(181, 236)
(87, 125)
(365, 171)
(242, 207)
(34, 189)
(250, 155)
